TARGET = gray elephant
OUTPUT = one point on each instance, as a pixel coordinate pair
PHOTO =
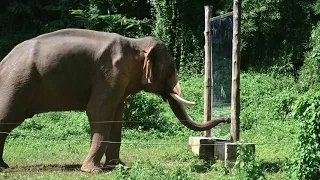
(76, 69)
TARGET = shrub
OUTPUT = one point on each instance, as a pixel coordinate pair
(306, 162)
(246, 167)
(56, 125)
(142, 111)
(310, 72)
(264, 97)
(271, 37)
(130, 27)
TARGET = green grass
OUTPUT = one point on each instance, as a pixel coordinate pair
(42, 158)
(150, 155)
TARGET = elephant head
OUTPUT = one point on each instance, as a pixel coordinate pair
(160, 77)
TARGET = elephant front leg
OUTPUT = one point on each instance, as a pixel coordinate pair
(100, 126)
(97, 149)
(113, 148)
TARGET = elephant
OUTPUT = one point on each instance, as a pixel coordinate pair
(91, 71)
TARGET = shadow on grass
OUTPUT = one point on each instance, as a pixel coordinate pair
(47, 167)
(203, 166)
(272, 167)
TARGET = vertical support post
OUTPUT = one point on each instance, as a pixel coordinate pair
(208, 79)
(235, 94)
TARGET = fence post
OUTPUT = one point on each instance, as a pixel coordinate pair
(235, 91)
(208, 73)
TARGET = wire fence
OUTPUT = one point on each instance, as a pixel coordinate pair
(219, 142)
(120, 121)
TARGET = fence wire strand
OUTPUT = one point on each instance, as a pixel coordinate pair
(119, 121)
(217, 143)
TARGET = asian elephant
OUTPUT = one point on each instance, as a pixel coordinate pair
(75, 69)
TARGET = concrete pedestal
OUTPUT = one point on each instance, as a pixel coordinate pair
(202, 146)
(218, 149)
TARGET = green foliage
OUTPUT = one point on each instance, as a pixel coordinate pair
(192, 89)
(246, 167)
(130, 27)
(27, 19)
(143, 111)
(271, 37)
(174, 24)
(156, 171)
(56, 125)
(17, 7)
(129, 8)
(316, 7)
(43, 15)
(265, 97)
(306, 162)
(310, 72)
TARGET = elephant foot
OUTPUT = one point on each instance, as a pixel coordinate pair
(90, 168)
(111, 164)
(3, 165)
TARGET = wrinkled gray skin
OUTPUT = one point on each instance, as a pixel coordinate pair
(75, 69)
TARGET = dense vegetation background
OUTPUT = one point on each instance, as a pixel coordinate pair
(275, 33)
(280, 79)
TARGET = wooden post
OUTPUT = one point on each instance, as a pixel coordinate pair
(208, 79)
(235, 92)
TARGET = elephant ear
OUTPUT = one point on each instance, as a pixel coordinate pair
(147, 67)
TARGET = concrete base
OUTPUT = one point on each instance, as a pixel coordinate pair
(202, 146)
(217, 149)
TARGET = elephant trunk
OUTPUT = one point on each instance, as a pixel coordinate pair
(181, 113)
(176, 104)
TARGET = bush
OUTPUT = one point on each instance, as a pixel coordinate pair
(264, 97)
(130, 27)
(271, 37)
(143, 111)
(310, 72)
(246, 167)
(55, 125)
(306, 162)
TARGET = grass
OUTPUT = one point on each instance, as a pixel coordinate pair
(31, 158)
(42, 158)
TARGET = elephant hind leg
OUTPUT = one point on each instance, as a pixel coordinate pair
(113, 149)
(13, 108)
(7, 124)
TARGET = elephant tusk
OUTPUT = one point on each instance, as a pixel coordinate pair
(179, 99)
